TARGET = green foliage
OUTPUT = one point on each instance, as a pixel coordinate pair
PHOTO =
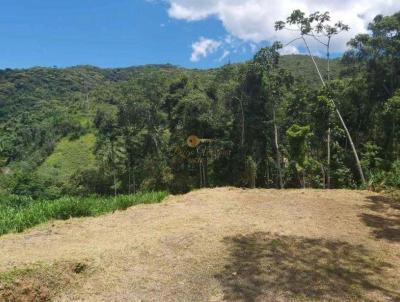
(67, 158)
(24, 183)
(301, 68)
(266, 122)
(298, 140)
(381, 179)
(298, 137)
(90, 181)
(251, 172)
(393, 177)
(15, 201)
(370, 157)
(16, 217)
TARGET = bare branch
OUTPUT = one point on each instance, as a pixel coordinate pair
(318, 40)
(292, 41)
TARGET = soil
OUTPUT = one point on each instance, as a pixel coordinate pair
(224, 244)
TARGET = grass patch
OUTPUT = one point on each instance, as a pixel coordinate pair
(19, 218)
(67, 158)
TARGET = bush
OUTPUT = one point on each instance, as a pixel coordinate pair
(380, 179)
(90, 181)
(393, 177)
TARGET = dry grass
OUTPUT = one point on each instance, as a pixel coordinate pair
(40, 282)
(228, 244)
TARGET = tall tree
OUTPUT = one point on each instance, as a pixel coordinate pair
(275, 81)
(311, 26)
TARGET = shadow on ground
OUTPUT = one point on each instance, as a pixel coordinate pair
(386, 220)
(267, 267)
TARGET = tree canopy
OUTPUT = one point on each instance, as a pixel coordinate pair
(264, 123)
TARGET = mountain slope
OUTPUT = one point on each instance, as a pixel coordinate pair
(41, 106)
(302, 67)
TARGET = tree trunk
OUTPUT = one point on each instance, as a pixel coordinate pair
(115, 184)
(205, 169)
(328, 57)
(241, 105)
(267, 171)
(134, 183)
(395, 147)
(242, 122)
(129, 178)
(328, 164)
(278, 154)
(360, 170)
(201, 171)
(300, 179)
(323, 176)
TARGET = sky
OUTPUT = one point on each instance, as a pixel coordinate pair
(189, 33)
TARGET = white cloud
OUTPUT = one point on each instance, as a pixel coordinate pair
(203, 47)
(289, 50)
(252, 21)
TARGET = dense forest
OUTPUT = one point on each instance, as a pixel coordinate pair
(264, 123)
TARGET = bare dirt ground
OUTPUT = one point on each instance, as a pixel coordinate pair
(223, 244)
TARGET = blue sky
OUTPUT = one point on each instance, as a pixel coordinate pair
(103, 33)
(189, 33)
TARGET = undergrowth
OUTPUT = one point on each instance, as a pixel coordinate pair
(18, 216)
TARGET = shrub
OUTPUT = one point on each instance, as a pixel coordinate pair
(393, 177)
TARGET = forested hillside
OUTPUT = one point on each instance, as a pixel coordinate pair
(269, 123)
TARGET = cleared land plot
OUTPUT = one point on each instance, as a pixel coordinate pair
(215, 245)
